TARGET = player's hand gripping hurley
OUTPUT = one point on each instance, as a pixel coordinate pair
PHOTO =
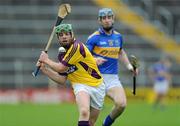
(63, 11)
(135, 63)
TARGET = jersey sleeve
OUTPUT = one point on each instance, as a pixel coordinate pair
(72, 56)
(121, 42)
(90, 43)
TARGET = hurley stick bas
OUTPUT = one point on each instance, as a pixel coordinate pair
(63, 11)
(135, 63)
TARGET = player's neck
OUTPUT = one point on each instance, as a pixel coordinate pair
(108, 31)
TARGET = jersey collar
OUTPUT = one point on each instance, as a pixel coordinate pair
(102, 31)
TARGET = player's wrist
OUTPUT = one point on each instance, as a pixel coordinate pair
(129, 67)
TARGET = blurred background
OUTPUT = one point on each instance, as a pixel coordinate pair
(150, 29)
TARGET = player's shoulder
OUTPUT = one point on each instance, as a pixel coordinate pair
(94, 34)
(78, 44)
(117, 33)
(74, 45)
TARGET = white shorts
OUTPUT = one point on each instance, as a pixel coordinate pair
(111, 80)
(161, 86)
(96, 94)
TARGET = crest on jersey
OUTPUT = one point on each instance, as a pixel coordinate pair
(110, 42)
(116, 43)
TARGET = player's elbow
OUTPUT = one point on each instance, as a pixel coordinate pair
(61, 81)
(61, 68)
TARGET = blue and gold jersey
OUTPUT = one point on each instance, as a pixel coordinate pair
(158, 69)
(82, 65)
(108, 47)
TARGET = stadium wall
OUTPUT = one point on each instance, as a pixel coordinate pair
(59, 95)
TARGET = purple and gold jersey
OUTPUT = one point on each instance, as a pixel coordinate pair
(108, 47)
(82, 65)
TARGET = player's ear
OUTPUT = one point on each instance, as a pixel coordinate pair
(99, 20)
(57, 36)
(72, 35)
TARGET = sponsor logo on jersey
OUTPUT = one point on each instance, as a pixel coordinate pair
(112, 52)
(109, 52)
(116, 43)
(71, 69)
(102, 42)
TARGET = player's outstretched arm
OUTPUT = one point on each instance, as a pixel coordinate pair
(52, 74)
(58, 67)
(100, 60)
(124, 58)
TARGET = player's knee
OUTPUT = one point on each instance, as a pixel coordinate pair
(84, 113)
(120, 104)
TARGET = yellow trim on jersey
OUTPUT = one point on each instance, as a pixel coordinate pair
(112, 52)
(115, 32)
(95, 33)
(71, 52)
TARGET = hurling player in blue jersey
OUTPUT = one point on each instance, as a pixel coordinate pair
(106, 45)
(160, 75)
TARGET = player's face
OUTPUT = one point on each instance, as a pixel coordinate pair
(65, 38)
(107, 21)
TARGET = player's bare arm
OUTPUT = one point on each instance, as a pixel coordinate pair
(100, 60)
(58, 67)
(52, 74)
(123, 58)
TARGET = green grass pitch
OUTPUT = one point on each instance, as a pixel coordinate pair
(136, 114)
